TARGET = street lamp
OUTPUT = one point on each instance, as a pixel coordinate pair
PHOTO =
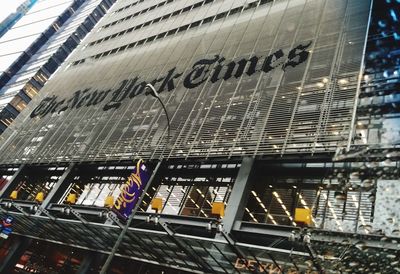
(149, 89)
(152, 91)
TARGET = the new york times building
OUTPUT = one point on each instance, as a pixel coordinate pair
(258, 96)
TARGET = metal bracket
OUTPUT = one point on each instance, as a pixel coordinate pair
(112, 218)
(46, 212)
(78, 215)
(20, 209)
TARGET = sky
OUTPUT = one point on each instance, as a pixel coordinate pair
(8, 6)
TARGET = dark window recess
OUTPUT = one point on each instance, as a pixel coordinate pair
(4, 78)
(51, 65)
(8, 113)
(236, 10)
(88, 24)
(37, 83)
(49, 32)
(186, 9)
(60, 55)
(151, 38)
(70, 43)
(171, 32)
(197, 5)
(208, 19)
(161, 35)
(93, 18)
(140, 42)
(34, 84)
(183, 28)
(262, 2)
(98, 12)
(251, 5)
(62, 18)
(114, 51)
(175, 13)
(221, 15)
(24, 96)
(80, 32)
(76, 38)
(195, 24)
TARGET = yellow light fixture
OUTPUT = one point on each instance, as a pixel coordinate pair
(303, 216)
(156, 204)
(218, 208)
(71, 199)
(14, 195)
(109, 202)
(39, 197)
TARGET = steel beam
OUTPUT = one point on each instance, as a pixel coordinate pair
(239, 195)
(67, 173)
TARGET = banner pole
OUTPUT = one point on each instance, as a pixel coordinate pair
(107, 263)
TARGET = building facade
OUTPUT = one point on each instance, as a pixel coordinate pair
(259, 108)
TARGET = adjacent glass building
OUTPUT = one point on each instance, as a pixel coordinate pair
(265, 116)
(33, 49)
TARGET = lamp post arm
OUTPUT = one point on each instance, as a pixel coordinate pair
(168, 121)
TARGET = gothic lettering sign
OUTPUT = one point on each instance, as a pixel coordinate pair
(131, 191)
(212, 69)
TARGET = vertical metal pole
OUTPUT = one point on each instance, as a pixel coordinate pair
(238, 198)
(106, 265)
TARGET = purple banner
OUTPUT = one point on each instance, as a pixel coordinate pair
(131, 191)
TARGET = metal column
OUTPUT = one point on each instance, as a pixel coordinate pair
(66, 175)
(238, 198)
